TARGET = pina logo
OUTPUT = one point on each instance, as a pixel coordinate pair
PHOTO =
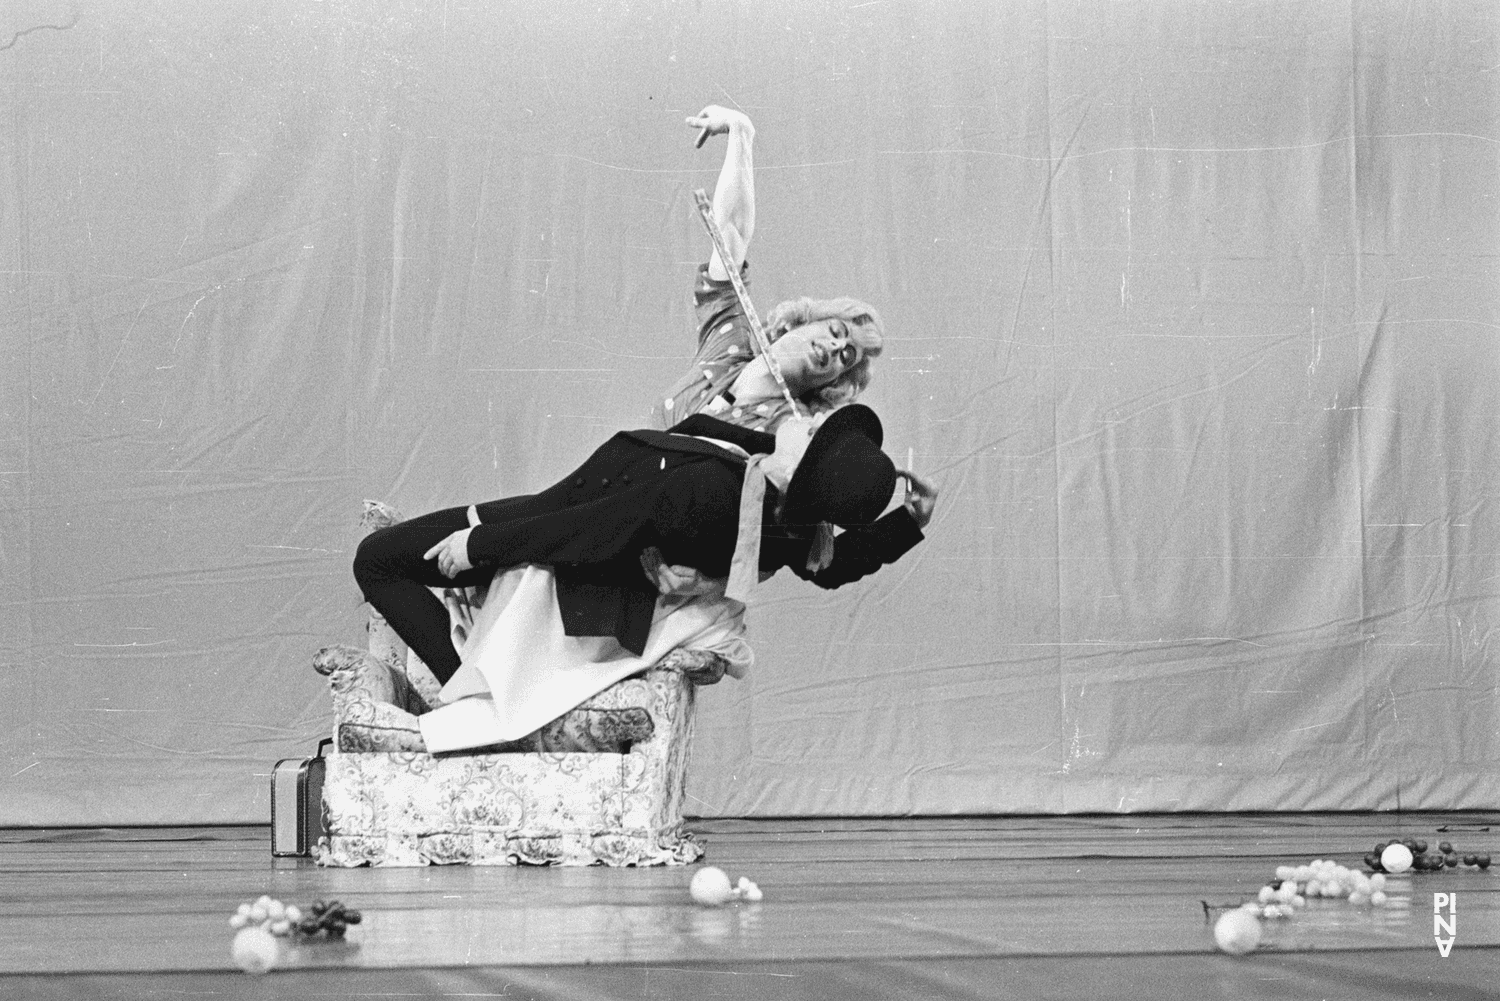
(1442, 925)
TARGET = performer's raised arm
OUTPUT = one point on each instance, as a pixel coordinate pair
(734, 196)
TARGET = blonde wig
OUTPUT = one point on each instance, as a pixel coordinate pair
(865, 330)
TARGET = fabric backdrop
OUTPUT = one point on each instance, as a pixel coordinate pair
(1192, 314)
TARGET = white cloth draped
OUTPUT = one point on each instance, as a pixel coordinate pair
(521, 671)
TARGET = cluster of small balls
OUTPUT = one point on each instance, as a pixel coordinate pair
(711, 888)
(268, 914)
(259, 924)
(1278, 902)
(1319, 878)
(272, 916)
(1411, 853)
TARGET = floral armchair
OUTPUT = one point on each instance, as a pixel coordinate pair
(601, 784)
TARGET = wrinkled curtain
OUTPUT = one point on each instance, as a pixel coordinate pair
(1192, 317)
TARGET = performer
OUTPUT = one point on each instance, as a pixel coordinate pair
(523, 655)
(678, 492)
(824, 347)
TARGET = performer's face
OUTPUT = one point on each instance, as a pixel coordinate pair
(815, 354)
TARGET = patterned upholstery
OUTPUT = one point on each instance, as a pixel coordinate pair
(601, 784)
(569, 808)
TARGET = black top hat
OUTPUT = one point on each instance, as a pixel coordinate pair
(843, 477)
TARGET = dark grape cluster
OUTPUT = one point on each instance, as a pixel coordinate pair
(328, 918)
(1444, 857)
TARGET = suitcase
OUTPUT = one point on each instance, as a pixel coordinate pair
(297, 803)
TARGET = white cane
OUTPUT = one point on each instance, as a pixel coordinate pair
(705, 209)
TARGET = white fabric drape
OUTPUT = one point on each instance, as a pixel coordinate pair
(520, 670)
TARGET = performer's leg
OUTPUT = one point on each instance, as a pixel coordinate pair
(395, 579)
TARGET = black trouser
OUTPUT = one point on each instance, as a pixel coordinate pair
(395, 579)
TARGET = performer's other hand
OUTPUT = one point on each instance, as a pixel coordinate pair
(921, 497)
(452, 554)
(715, 120)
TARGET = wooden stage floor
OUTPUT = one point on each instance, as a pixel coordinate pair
(1026, 907)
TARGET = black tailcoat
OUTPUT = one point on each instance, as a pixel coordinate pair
(655, 488)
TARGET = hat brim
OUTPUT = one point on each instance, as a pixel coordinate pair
(854, 416)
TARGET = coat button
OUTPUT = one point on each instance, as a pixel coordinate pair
(604, 482)
(625, 479)
(578, 482)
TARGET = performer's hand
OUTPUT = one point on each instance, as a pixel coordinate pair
(678, 580)
(921, 497)
(685, 581)
(452, 554)
(715, 120)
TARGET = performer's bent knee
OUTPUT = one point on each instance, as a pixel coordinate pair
(396, 554)
(390, 553)
(367, 560)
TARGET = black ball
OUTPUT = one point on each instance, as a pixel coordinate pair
(1450, 860)
(1483, 861)
(1421, 846)
(1469, 859)
(1380, 848)
(1445, 847)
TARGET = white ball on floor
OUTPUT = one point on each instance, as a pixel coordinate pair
(254, 950)
(1237, 932)
(746, 889)
(710, 887)
(1396, 858)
